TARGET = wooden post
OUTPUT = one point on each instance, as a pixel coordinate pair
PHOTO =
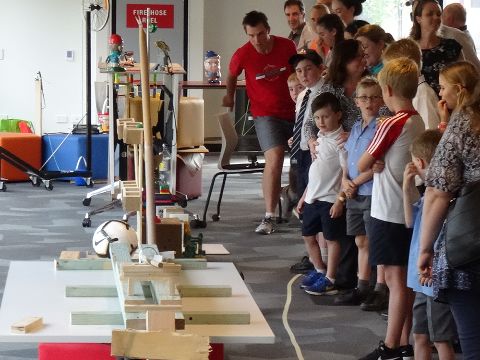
(147, 130)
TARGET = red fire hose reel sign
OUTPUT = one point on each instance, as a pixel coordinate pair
(160, 15)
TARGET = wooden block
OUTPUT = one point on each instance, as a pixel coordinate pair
(90, 291)
(27, 325)
(160, 320)
(69, 255)
(83, 264)
(216, 317)
(96, 318)
(132, 136)
(205, 290)
(159, 345)
(179, 321)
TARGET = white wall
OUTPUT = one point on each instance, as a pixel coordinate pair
(35, 36)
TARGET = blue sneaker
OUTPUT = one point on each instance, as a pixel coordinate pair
(323, 286)
(311, 278)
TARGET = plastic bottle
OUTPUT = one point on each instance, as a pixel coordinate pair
(164, 170)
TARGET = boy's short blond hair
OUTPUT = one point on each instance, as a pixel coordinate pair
(401, 75)
(293, 77)
(367, 82)
(425, 144)
(403, 48)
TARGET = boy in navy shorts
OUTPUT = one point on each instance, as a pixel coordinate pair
(322, 203)
(390, 240)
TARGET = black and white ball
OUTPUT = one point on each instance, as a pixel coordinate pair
(113, 231)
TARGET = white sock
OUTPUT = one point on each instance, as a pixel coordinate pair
(269, 215)
(323, 271)
(331, 280)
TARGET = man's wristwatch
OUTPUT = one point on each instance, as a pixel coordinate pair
(341, 198)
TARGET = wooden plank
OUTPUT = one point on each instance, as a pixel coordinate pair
(205, 290)
(215, 249)
(27, 325)
(69, 255)
(216, 317)
(159, 345)
(96, 318)
(83, 264)
(90, 291)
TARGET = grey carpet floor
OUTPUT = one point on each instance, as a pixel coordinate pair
(37, 224)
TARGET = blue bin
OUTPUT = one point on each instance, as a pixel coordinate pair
(66, 157)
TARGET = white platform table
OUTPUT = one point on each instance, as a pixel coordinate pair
(36, 288)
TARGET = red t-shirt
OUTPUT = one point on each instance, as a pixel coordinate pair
(266, 78)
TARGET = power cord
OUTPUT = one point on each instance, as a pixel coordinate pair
(298, 351)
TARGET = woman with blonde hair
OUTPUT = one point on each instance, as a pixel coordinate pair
(455, 165)
(457, 81)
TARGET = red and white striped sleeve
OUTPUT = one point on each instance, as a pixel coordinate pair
(387, 133)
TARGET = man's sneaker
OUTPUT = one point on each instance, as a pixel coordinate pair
(352, 297)
(311, 278)
(302, 267)
(376, 301)
(323, 286)
(407, 352)
(266, 227)
(383, 353)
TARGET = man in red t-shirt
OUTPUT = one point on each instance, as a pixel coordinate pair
(265, 62)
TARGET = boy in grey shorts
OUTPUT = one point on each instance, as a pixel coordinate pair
(358, 185)
(432, 321)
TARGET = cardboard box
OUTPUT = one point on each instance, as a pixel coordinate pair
(168, 235)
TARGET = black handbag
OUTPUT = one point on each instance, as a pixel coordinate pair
(462, 230)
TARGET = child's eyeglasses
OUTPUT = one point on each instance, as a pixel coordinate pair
(364, 99)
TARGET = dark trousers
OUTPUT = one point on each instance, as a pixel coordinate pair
(464, 306)
(302, 165)
(347, 267)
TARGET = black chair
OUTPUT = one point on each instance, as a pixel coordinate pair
(229, 144)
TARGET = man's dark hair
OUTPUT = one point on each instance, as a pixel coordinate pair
(326, 99)
(298, 3)
(253, 18)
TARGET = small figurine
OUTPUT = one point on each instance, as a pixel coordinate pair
(115, 44)
(212, 67)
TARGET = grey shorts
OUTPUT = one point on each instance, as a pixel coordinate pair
(433, 319)
(358, 215)
(272, 132)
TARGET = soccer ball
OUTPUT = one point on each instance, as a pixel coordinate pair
(113, 231)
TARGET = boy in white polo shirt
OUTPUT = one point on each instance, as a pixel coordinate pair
(322, 203)
(390, 239)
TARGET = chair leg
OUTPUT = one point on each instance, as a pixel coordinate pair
(203, 223)
(279, 219)
(216, 217)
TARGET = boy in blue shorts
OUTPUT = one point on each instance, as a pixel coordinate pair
(432, 321)
(389, 240)
(322, 202)
(358, 186)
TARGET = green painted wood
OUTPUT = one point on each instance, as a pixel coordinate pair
(83, 264)
(96, 318)
(90, 291)
(205, 290)
(216, 318)
(191, 264)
